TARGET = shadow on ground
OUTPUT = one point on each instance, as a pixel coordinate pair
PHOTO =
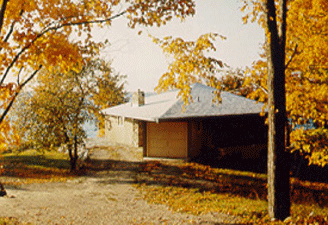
(203, 178)
(188, 175)
(37, 160)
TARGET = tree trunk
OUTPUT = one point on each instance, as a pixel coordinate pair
(278, 157)
(2, 190)
(75, 153)
(71, 157)
(72, 152)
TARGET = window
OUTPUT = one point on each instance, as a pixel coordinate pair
(120, 121)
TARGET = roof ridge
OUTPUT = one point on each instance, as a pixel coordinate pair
(173, 103)
(168, 105)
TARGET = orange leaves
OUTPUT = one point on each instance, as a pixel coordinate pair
(306, 69)
(196, 189)
(254, 12)
(7, 133)
(55, 51)
(313, 143)
(307, 75)
(309, 29)
(6, 92)
(149, 13)
(39, 31)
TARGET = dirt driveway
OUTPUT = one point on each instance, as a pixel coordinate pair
(104, 197)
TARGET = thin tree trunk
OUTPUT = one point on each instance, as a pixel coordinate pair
(2, 190)
(75, 153)
(72, 155)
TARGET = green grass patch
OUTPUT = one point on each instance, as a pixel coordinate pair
(197, 189)
(33, 158)
(34, 167)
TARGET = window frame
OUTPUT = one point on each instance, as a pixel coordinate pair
(120, 121)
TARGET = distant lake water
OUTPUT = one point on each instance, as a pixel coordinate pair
(91, 129)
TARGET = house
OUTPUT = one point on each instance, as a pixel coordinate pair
(163, 129)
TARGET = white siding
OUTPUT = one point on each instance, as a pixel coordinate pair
(122, 133)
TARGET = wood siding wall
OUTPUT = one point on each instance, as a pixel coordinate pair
(126, 133)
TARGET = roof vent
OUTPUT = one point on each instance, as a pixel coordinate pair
(138, 98)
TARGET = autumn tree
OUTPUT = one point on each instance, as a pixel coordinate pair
(235, 81)
(272, 15)
(190, 64)
(39, 34)
(60, 103)
(61, 107)
(306, 74)
(109, 89)
(307, 77)
(278, 157)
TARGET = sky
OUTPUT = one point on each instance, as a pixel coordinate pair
(144, 62)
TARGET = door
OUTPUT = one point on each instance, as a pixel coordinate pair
(167, 139)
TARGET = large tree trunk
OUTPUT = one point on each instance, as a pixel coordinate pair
(278, 157)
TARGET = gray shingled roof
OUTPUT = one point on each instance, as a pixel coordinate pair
(167, 106)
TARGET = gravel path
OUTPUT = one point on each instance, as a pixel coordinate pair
(105, 197)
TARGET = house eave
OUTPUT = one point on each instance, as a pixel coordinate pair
(206, 116)
(134, 117)
(158, 120)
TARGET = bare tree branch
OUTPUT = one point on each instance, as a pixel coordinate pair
(30, 77)
(292, 56)
(55, 28)
(4, 114)
(11, 29)
(240, 76)
(2, 13)
(18, 75)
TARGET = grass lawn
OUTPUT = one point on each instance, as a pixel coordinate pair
(184, 187)
(196, 189)
(34, 167)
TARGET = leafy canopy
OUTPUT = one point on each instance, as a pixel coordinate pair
(54, 112)
(190, 64)
(39, 34)
(306, 72)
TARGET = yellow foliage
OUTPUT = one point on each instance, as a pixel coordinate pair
(37, 34)
(190, 64)
(313, 143)
(101, 132)
(306, 69)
